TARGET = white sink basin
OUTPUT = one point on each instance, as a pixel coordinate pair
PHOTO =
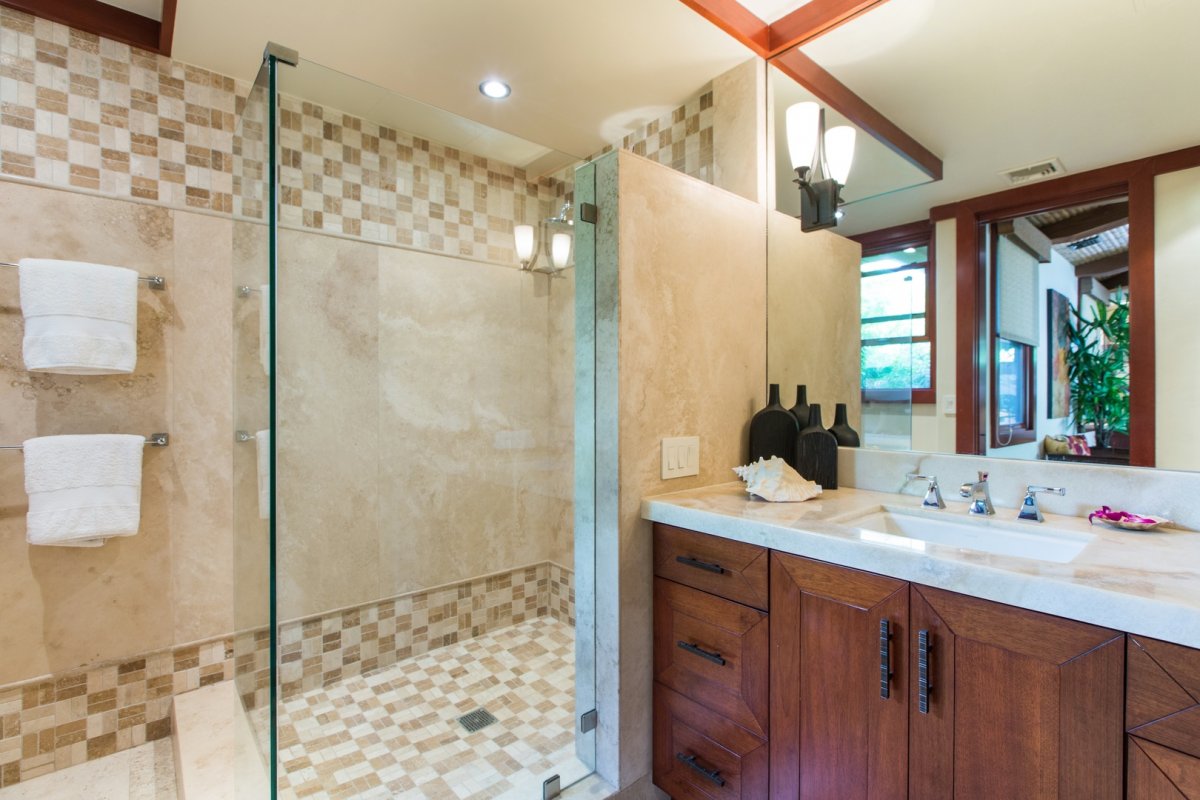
(913, 529)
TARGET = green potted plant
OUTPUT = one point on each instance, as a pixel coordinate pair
(1098, 369)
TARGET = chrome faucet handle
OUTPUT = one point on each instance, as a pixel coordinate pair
(980, 496)
(933, 493)
(1030, 510)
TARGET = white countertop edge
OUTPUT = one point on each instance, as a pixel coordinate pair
(1099, 606)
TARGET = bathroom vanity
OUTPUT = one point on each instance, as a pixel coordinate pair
(832, 649)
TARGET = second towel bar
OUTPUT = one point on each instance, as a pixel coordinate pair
(156, 282)
(153, 440)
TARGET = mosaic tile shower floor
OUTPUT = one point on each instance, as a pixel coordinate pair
(394, 733)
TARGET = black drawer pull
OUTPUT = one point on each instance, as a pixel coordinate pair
(924, 687)
(885, 659)
(694, 650)
(712, 774)
(704, 565)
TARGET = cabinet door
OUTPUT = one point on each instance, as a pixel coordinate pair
(839, 720)
(1019, 704)
(1160, 773)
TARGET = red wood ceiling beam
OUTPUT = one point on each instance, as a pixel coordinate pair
(812, 20)
(108, 21)
(837, 95)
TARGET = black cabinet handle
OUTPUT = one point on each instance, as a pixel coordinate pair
(885, 659)
(924, 687)
(704, 565)
(694, 650)
(712, 774)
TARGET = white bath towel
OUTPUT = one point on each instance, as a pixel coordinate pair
(82, 488)
(262, 446)
(264, 328)
(80, 319)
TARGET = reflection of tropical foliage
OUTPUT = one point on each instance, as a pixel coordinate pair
(896, 366)
(1098, 368)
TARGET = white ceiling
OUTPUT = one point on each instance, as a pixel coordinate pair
(994, 84)
(145, 8)
(583, 74)
(771, 10)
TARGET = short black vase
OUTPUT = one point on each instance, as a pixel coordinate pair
(773, 431)
(841, 430)
(817, 451)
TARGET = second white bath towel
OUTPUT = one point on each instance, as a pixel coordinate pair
(80, 319)
(82, 489)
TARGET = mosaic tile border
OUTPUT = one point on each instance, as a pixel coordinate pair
(82, 112)
(58, 721)
(321, 650)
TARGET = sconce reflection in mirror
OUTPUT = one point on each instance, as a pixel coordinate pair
(822, 162)
(553, 234)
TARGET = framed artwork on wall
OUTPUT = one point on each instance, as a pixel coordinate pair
(1059, 314)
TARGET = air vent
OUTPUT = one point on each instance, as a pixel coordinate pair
(1040, 171)
(1082, 243)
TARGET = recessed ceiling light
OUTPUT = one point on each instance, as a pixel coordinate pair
(495, 89)
(910, 250)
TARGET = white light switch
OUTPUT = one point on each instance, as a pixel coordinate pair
(680, 457)
(949, 405)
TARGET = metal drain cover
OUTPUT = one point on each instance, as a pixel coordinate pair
(477, 720)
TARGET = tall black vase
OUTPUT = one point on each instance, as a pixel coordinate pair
(841, 430)
(817, 451)
(773, 431)
(800, 410)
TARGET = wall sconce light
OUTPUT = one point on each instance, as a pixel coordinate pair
(555, 236)
(822, 162)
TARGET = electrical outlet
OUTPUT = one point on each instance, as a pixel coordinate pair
(949, 405)
(680, 457)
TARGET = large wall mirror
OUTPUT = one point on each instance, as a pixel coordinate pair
(1038, 301)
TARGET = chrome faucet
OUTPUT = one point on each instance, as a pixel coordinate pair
(979, 495)
(1029, 506)
(933, 493)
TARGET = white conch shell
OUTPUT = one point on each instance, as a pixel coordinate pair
(774, 480)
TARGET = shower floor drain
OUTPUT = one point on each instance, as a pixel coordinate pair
(477, 720)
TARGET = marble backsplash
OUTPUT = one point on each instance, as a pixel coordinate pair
(1165, 493)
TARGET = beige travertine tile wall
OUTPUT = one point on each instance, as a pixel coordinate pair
(691, 360)
(813, 337)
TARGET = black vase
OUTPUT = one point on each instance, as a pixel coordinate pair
(800, 410)
(841, 430)
(817, 451)
(773, 431)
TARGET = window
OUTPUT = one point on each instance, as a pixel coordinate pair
(1014, 393)
(898, 346)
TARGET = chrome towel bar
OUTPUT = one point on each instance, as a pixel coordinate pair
(156, 282)
(153, 440)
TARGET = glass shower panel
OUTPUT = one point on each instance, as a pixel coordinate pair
(251, 415)
(424, 452)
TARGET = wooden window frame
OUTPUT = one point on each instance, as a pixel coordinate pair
(1028, 432)
(887, 240)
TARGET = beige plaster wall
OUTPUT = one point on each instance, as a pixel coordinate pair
(813, 332)
(424, 421)
(692, 361)
(172, 582)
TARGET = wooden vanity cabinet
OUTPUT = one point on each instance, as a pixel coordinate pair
(882, 690)
(1014, 703)
(1162, 718)
(839, 700)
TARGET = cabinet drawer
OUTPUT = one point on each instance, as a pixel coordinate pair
(714, 651)
(1162, 684)
(699, 754)
(733, 570)
(1155, 772)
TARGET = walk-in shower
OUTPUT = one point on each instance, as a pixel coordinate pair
(404, 410)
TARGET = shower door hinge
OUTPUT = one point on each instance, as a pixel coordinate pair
(551, 787)
(588, 213)
(587, 722)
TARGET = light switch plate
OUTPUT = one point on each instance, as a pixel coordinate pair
(680, 457)
(949, 405)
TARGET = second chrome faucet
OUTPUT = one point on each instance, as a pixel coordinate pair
(979, 495)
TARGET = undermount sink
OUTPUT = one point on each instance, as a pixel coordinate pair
(913, 529)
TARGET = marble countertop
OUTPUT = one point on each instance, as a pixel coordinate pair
(1143, 583)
